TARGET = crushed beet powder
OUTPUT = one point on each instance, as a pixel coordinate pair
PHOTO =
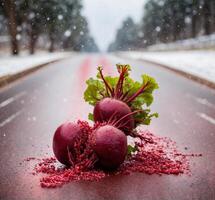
(159, 156)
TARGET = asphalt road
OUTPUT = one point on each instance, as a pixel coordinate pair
(32, 107)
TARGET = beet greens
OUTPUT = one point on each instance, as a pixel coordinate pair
(137, 95)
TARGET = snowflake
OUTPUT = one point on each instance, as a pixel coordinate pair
(67, 33)
(60, 17)
(158, 28)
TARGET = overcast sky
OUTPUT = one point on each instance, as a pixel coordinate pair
(106, 16)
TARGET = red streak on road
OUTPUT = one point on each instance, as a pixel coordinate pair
(84, 71)
(107, 65)
(80, 108)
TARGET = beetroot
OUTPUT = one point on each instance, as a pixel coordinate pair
(119, 100)
(109, 109)
(64, 139)
(110, 146)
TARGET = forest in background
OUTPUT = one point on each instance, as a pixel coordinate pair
(50, 24)
(166, 21)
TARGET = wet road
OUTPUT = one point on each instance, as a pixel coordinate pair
(32, 107)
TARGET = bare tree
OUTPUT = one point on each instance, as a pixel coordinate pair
(9, 8)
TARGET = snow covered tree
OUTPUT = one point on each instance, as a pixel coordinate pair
(171, 20)
(59, 22)
(126, 37)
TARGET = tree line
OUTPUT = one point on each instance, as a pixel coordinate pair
(59, 23)
(166, 21)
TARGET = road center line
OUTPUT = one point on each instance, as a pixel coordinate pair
(11, 99)
(10, 119)
(206, 117)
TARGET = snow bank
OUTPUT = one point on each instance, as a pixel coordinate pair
(13, 64)
(199, 63)
(201, 42)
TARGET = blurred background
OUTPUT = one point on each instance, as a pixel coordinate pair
(169, 21)
(92, 26)
(171, 40)
(52, 25)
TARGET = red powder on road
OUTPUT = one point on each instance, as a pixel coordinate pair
(159, 156)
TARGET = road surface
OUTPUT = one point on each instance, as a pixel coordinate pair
(32, 107)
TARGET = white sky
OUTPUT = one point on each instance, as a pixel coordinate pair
(106, 16)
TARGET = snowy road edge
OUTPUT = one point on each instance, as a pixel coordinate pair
(5, 80)
(180, 72)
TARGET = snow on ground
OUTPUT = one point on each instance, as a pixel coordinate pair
(13, 64)
(201, 42)
(199, 63)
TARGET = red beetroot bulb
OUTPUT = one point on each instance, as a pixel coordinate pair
(110, 146)
(111, 110)
(64, 138)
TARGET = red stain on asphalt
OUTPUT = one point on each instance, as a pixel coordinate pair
(107, 65)
(84, 71)
(160, 156)
(79, 108)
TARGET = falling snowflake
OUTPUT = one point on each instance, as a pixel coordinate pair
(158, 28)
(187, 20)
(60, 17)
(18, 36)
(31, 15)
(67, 33)
(19, 28)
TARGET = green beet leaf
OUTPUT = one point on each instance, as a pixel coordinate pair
(137, 95)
